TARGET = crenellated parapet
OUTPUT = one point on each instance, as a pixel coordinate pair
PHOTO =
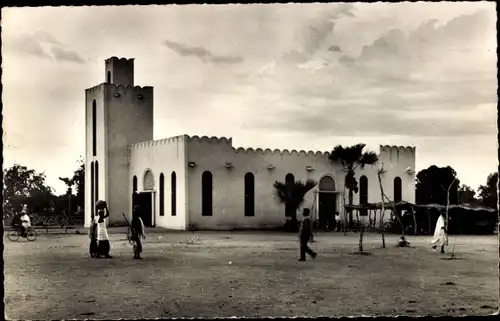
(405, 154)
(159, 142)
(119, 60)
(284, 152)
(94, 88)
(393, 148)
(127, 89)
(122, 89)
(210, 140)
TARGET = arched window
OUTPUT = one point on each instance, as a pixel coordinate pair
(173, 190)
(206, 193)
(289, 179)
(398, 190)
(96, 181)
(327, 183)
(149, 181)
(109, 77)
(363, 194)
(162, 195)
(92, 186)
(94, 128)
(249, 194)
(134, 184)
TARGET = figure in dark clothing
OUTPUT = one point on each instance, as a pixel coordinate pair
(137, 232)
(305, 236)
(16, 222)
(93, 248)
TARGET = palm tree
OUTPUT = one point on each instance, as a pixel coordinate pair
(352, 158)
(293, 196)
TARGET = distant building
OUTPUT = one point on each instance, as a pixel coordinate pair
(185, 182)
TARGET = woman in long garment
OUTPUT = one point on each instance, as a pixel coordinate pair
(137, 231)
(440, 237)
(102, 234)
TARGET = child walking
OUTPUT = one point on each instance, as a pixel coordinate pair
(137, 232)
(93, 248)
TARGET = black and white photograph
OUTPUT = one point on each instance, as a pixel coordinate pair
(250, 160)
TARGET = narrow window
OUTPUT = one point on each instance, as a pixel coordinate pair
(173, 189)
(206, 193)
(96, 181)
(162, 195)
(398, 192)
(134, 190)
(249, 194)
(109, 77)
(92, 200)
(134, 184)
(94, 128)
(363, 194)
(289, 181)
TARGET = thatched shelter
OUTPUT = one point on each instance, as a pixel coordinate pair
(422, 217)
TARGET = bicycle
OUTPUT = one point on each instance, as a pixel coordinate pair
(31, 235)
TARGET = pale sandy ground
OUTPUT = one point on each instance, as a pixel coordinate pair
(249, 274)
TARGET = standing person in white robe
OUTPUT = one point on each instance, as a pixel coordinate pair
(440, 237)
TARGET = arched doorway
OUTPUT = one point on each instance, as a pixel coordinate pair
(145, 198)
(327, 206)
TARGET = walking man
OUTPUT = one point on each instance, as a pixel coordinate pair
(305, 236)
(137, 231)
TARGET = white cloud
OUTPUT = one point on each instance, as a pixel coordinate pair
(304, 75)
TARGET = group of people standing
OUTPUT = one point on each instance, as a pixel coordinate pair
(99, 238)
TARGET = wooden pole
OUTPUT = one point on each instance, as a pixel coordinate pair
(448, 203)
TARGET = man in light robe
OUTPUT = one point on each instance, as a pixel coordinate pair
(337, 222)
(25, 221)
(440, 237)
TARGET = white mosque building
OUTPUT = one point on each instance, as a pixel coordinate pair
(190, 182)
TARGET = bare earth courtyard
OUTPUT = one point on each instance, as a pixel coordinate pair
(246, 274)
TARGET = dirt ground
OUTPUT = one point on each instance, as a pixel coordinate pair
(210, 274)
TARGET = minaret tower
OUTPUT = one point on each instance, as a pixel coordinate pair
(117, 115)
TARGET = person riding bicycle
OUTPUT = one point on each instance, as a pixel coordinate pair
(25, 221)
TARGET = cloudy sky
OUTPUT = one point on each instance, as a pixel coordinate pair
(280, 76)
